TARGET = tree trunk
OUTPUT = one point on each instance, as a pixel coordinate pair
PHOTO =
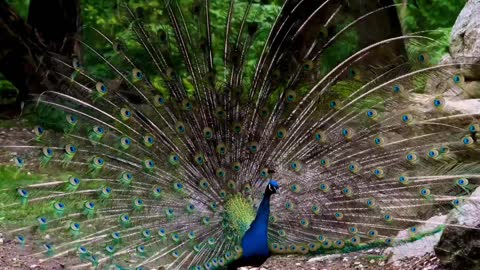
(28, 50)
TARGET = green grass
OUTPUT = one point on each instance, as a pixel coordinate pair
(10, 180)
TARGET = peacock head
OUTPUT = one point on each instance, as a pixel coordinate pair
(272, 187)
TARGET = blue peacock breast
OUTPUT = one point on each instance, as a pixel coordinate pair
(255, 242)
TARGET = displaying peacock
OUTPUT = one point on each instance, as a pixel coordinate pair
(333, 140)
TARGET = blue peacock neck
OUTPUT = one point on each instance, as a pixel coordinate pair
(255, 240)
(263, 212)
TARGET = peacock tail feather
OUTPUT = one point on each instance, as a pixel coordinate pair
(167, 160)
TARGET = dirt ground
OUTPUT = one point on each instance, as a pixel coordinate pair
(13, 258)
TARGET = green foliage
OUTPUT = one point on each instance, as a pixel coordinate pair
(430, 15)
(21, 6)
(437, 16)
(8, 91)
(108, 17)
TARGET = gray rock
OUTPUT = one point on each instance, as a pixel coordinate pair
(465, 37)
(420, 247)
(465, 47)
(324, 258)
(459, 246)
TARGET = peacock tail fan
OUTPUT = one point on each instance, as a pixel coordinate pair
(166, 160)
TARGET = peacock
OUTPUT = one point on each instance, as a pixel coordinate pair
(337, 136)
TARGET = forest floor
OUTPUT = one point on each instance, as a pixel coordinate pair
(11, 258)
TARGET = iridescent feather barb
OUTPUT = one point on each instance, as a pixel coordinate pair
(169, 160)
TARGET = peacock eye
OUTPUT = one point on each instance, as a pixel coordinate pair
(204, 184)
(354, 240)
(264, 112)
(320, 136)
(347, 133)
(110, 249)
(474, 128)
(125, 114)
(173, 159)
(407, 118)
(106, 190)
(89, 205)
(237, 128)
(439, 102)
(220, 113)
(59, 206)
(347, 191)
(82, 250)
(458, 78)
(281, 133)
(137, 74)
(124, 218)
(125, 142)
(48, 247)
(180, 127)
(76, 63)
(352, 72)
(71, 119)
(371, 203)
(433, 153)
(149, 164)
(354, 167)
(178, 186)
(462, 182)
(98, 161)
(47, 152)
(253, 147)
(425, 192)
(98, 130)
(39, 131)
(158, 101)
(101, 88)
(296, 166)
(22, 192)
(74, 181)
(423, 58)
(148, 140)
(220, 172)
(291, 96)
(75, 226)
(42, 220)
(397, 88)
(324, 187)
(70, 149)
(412, 157)
(187, 105)
(333, 104)
(456, 202)
(468, 140)
(19, 162)
(372, 114)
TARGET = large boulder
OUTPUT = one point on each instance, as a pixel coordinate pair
(459, 245)
(465, 47)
